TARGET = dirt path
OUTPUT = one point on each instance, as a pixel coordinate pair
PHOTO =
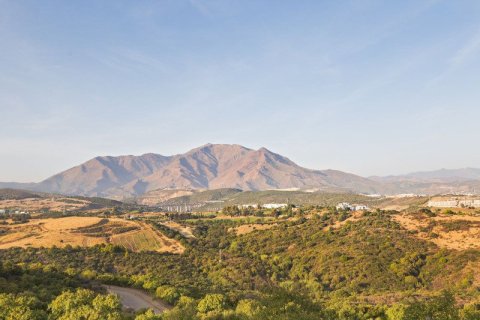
(137, 299)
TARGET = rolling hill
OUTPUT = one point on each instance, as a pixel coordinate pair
(443, 181)
(436, 176)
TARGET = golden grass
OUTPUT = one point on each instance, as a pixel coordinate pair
(67, 231)
(454, 239)
(356, 215)
(147, 239)
(38, 204)
(247, 228)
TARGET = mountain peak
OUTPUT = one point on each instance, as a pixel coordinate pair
(210, 166)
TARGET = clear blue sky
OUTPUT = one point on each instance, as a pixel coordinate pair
(369, 87)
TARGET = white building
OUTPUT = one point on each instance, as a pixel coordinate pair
(360, 207)
(470, 203)
(274, 205)
(344, 206)
(454, 203)
(351, 207)
(443, 204)
(2, 211)
(246, 206)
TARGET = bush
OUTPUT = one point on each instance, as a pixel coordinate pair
(85, 304)
(168, 293)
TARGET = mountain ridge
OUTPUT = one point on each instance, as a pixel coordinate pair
(217, 166)
(211, 166)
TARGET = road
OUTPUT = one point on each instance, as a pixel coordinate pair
(137, 299)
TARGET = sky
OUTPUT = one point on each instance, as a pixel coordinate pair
(364, 86)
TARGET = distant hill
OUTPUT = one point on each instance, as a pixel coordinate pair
(40, 201)
(466, 180)
(19, 185)
(15, 194)
(437, 176)
(211, 200)
(185, 196)
(217, 199)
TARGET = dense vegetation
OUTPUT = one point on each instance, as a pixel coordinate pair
(325, 267)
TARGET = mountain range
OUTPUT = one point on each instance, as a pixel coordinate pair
(215, 166)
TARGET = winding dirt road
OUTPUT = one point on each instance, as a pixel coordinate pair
(137, 299)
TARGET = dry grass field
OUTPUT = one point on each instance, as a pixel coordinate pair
(87, 231)
(458, 232)
(402, 203)
(38, 204)
(356, 215)
(147, 239)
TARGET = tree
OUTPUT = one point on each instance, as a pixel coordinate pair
(148, 315)
(396, 312)
(185, 309)
(211, 302)
(248, 307)
(167, 293)
(438, 308)
(471, 311)
(85, 304)
(19, 308)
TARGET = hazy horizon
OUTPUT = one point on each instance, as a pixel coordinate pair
(173, 154)
(366, 87)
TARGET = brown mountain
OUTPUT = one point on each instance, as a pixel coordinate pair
(211, 166)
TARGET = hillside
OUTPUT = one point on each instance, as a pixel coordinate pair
(320, 264)
(212, 200)
(15, 194)
(466, 180)
(439, 176)
(86, 232)
(217, 199)
(13, 199)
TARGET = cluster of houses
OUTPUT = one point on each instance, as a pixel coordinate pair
(351, 207)
(454, 203)
(3, 211)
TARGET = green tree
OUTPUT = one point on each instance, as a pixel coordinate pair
(185, 309)
(167, 293)
(438, 308)
(20, 308)
(211, 302)
(248, 307)
(471, 312)
(396, 312)
(85, 304)
(148, 315)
